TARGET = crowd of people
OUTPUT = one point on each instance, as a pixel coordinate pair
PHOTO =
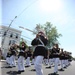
(26, 56)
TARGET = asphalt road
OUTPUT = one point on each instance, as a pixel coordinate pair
(11, 71)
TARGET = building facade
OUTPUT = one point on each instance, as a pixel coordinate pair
(8, 36)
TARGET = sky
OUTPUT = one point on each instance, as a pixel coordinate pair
(61, 13)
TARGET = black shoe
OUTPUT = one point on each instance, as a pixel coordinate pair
(33, 70)
(55, 73)
(27, 66)
(14, 66)
(65, 67)
(8, 67)
(61, 69)
(48, 67)
(22, 70)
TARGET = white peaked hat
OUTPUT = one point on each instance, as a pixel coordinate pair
(41, 30)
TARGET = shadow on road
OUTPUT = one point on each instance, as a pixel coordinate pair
(12, 72)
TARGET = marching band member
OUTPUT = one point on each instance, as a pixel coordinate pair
(40, 51)
(50, 58)
(8, 57)
(21, 67)
(29, 54)
(62, 60)
(12, 57)
(32, 63)
(55, 52)
(66, 59)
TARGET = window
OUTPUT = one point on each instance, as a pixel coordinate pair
(11, 35)
(10, 42)
(13, 41)
(16, 36)
(4, 33)
(2, 41)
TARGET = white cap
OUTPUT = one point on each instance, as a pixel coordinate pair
(41, 30)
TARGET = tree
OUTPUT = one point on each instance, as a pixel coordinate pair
(50, 31)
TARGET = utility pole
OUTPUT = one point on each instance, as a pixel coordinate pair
(7, 31)
(26, 29)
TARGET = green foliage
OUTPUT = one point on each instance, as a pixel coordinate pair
(50, 31)
(38, 26)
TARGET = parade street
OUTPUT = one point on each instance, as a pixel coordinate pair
(4, 70)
